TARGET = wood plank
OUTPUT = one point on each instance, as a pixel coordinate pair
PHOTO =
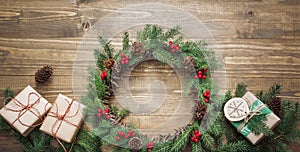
(258, 49)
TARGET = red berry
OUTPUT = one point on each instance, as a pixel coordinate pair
(205, 69)
(131, 131)
(106, 110)
(200, 76)
(207, 91)
(205, 94)
(108, 117)
(170, 42)
(196, 77)
(126, 57)
(177, 47)
(122, 58)
(122, 62)
(99, 110)
(172, 50)
(99, 114)
(133, 134)
(206, 100)
(198, 135)
(196, 140)
(199, 72)
(149, 150)
(126, 61)
(122, 133)
(204, 76)
(119, 132)
(196, 131)
(127, 136)
(122, 55)
(118, 138)
(193, 138)
(208, 96)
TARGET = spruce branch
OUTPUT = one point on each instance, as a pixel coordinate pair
(181, 141)
(8, 93)
(257, 125)
(240, 89)
(196, 147)
(125, 41)
(170, 33)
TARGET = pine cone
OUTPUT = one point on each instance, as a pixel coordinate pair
(135, 144)
(108, 94)
(109, 63)
(137, 48)
(275, 105)
(43, 74)
(199, 111)
(189, 63)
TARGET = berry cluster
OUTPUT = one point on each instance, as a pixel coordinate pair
(206, 95)
(195, 136)
(201, 74)
(120, 134)
(150, 146)
(103, 75)
(103, 113)
(124, 59)
(173, 47)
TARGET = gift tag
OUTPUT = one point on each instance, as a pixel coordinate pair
(236, 109)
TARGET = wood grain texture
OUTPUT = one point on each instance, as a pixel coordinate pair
(260, 47)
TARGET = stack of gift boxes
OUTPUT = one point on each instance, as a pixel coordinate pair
(27, 110)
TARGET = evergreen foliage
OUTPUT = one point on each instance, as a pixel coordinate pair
(217, 135)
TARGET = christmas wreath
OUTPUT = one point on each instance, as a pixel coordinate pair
(193, 62)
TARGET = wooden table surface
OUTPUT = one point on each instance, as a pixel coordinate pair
(259, 41)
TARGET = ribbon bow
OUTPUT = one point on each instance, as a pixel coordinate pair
(251, 114)
(60, 119)
(26, 107)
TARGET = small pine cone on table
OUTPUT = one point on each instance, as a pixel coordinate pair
(137, 48)
(43, 74)
(275, 105)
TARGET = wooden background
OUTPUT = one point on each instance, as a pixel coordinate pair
(259, 40)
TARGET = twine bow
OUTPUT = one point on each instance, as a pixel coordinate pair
(26, 107)
(249, 115)
(60, 119)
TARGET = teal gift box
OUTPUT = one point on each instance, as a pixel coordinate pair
(255, 104)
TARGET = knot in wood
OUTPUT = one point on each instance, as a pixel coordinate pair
(85, 26)
(249, 13)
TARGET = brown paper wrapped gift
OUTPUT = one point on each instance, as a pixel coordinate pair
(25, 111)
(255, 104)
(64, 119)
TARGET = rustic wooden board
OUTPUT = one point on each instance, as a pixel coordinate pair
(259, 41)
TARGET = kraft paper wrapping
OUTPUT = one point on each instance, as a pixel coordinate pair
(64, 119)
(272, 120)
(22, 119)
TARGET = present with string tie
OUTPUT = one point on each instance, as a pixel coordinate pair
(239, 111)
(25, 111)
(64, 119)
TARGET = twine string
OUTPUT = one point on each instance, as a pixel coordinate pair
(62, 118)
(25, 107)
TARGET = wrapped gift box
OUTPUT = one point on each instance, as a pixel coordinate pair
(272, 120)
(64, 119)
(25, 111)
